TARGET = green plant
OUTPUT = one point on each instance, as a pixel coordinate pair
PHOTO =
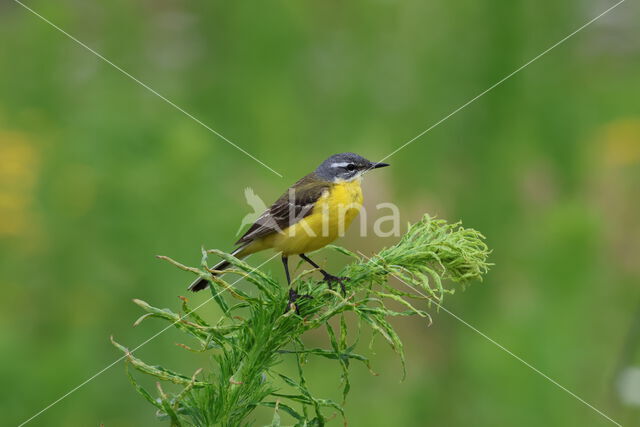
(255, 331)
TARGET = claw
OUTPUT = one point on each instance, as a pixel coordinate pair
(330, 279)
(293, 297)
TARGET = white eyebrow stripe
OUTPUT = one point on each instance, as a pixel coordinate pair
(340, 165)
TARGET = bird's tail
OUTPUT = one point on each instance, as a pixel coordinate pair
(201, 283)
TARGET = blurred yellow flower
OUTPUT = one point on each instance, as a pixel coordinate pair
(620, 142)
(18, 175)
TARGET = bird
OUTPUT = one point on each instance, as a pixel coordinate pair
(312, 213)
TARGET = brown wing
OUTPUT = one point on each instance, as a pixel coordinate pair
(290, 208)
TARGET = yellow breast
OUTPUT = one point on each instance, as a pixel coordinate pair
(329, 219)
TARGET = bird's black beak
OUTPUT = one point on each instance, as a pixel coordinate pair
(378, 165)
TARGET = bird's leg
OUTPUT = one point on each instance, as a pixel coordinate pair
(329, 278)
(293, 295)
(285, 262)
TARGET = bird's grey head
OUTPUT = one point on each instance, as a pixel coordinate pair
(345, 167)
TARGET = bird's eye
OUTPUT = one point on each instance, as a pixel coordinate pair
(351, 167)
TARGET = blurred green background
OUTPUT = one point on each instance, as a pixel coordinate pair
(98, 175)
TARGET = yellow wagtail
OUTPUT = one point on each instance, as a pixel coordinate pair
(311, 214)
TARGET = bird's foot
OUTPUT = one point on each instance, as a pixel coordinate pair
(293, 297)
(331, 279)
